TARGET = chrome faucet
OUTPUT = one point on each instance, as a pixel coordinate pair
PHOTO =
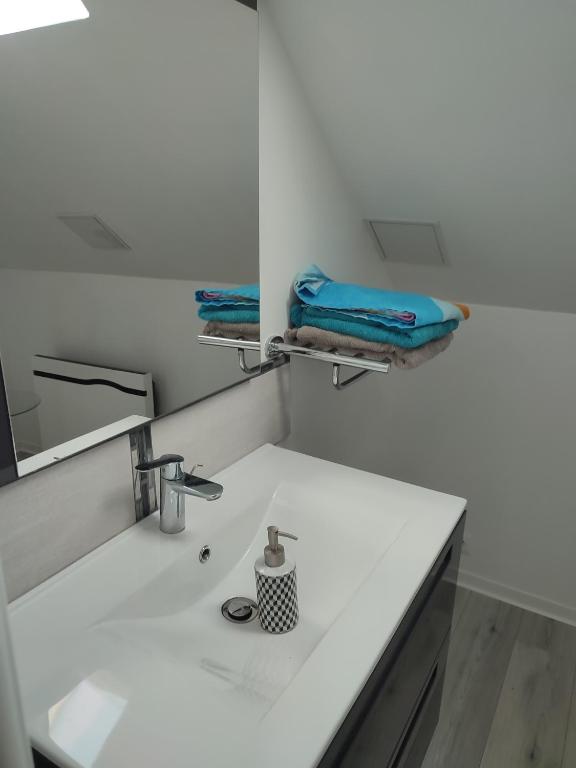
(175, 485)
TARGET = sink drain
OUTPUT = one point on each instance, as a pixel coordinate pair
(204, 554)
(240, 610)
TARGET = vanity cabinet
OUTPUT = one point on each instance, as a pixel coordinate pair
(42, 762)
(393, 719)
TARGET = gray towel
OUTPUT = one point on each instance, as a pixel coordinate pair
(247, 331)
(329, 341)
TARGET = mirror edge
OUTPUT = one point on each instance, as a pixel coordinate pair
(9, 465)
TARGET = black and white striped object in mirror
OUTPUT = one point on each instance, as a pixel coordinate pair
(8, 471)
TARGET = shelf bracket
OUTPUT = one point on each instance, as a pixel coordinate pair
(248, 369)
(251, 370)
(339, 384)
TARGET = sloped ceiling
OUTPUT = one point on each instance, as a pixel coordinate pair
(457, 112)
(145, 114)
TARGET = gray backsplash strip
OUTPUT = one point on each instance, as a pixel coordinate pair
(52, 518)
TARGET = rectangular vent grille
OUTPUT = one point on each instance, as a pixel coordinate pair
(94, 232)
(410, 242)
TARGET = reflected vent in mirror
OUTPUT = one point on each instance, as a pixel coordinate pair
(410, 242)
(94, 232)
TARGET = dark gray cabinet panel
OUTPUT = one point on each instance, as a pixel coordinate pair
(42, 762)
(393, 718)
(412, 747)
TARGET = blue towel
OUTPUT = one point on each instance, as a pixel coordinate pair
(242, 295)
(390, 309)
(230, 313)
(330, 320)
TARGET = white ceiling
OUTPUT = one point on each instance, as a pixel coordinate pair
(145, 115)
(458, 112)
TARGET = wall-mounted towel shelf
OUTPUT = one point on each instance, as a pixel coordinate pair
(277, 351)
(276, 346)
(243, 346)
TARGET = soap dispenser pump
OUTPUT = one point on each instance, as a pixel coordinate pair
(276, 586)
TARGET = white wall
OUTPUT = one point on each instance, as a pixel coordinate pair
(142, 324)
(492, 419)
(307, 214)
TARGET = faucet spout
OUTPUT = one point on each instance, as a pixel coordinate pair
(192, 485)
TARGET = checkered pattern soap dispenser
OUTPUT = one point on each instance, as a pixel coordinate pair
(276, 586)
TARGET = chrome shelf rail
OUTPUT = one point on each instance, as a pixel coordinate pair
(276, 346)
(277, 351)
(243, 346)
(218, 341)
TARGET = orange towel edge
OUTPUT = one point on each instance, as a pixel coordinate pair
(464, 309)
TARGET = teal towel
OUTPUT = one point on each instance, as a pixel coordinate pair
(241, 295)
(229, 314)
(391, 309)
(330, 320)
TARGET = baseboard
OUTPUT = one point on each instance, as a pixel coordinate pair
(529, 602)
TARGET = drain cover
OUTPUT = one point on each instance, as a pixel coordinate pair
(240, 610)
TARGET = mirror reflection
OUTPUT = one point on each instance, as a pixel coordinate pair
(129, 182)
(453, 127)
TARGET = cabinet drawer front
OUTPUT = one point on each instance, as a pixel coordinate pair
(383, 722)
(414, 744)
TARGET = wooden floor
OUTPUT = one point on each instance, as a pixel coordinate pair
(509, 698)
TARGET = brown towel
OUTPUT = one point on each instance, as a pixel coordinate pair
(327, 341)
(248, 331)
(330, 341)
(412, 358)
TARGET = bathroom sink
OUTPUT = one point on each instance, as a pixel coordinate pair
(125, 658)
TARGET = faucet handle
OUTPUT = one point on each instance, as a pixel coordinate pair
(162, 461)
(171, 466)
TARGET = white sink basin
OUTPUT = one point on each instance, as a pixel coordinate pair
(126, 660)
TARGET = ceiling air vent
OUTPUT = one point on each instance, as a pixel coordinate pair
(94, 232)
(410, 242)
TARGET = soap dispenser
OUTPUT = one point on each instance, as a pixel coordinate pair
(276, 586)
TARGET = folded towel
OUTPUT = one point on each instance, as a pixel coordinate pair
(390, 309)
(240, 295)
(328, 341)
(339, 322)
(412, 358)
(248, 331)
(227, 314)
(231, 312)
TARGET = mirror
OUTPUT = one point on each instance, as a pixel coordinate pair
(453, 126)
(129, 152)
